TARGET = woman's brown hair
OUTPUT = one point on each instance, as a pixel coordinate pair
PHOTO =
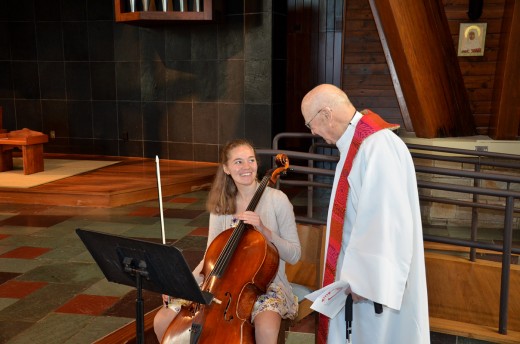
(222, 196)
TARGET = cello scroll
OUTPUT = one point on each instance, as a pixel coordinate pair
(282, 161)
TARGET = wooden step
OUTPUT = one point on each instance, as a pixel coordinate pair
(464, 298)
(457, 328)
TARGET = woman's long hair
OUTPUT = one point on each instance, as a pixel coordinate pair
(222, 196)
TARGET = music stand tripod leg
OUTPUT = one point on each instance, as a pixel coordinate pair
(139, 302)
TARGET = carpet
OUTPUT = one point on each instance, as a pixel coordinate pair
(54, 169)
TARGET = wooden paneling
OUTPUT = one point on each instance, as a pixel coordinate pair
(314, 50)
(365, 68)
(419, 42)
(505, 121)
(472, 307)
(478, 72)
(366, 76)
(301, 62)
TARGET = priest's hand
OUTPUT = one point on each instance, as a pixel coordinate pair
(355, 297)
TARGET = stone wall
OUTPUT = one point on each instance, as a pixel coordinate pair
(177, 89)
(450, 215)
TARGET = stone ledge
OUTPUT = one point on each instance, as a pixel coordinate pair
(466, 142)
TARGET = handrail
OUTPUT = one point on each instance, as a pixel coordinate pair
(466, 152)
(477, 158)
(467, 174)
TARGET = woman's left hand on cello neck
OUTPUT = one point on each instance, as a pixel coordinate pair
(252, 218)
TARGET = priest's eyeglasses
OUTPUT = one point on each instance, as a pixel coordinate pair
(308, 124)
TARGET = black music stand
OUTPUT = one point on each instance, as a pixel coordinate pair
(145, 265)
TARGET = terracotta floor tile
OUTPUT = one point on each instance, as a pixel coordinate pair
(11, 328)
(26, 252)
(34, 220)
(125, 307)
(19, 289)
(193, 257)
(201, 231)
(6, 276)
(145, 212)
(182, 213)
(88, 304)
(192, 242)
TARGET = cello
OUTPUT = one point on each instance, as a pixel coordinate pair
(238, 266)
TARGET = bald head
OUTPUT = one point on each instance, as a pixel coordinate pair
(323, 94)
(333, 106)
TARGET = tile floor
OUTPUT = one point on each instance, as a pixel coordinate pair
(52, 291)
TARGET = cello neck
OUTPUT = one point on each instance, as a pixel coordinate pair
(230, 247)
(258, 194)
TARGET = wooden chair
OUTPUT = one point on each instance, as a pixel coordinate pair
(306, 275)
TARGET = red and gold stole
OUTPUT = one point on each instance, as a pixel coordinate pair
(367, 125)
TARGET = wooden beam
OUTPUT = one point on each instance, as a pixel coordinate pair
(505, 116)
(421, 47)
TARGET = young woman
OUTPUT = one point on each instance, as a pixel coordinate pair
(231, 192)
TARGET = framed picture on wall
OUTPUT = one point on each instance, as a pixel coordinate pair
(472, 37)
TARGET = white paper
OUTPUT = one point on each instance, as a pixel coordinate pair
(329, 300)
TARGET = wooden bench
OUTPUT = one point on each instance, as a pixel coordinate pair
(31, 144)
(305, 276)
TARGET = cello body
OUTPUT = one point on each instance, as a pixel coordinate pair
(252, 266)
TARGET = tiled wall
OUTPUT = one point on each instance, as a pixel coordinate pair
(176, 89)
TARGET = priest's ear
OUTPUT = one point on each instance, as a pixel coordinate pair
(327, 112)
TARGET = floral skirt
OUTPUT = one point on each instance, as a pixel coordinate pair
(274, 300)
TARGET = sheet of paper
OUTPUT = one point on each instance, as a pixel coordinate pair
(329, 300)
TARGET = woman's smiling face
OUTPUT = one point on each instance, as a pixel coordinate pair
(242, 165)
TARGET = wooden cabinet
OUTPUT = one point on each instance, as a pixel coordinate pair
(123, 13)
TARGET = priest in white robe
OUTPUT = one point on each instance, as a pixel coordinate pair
(382, 254)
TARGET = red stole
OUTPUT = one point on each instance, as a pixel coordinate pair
(368, 124)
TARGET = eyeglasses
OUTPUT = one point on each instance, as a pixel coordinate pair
(308, 124)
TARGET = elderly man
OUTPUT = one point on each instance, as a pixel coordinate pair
(374, 231)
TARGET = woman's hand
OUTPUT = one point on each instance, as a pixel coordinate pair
(166, 300)
(252, 218)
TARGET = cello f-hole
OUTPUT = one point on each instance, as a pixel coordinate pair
(227, 307)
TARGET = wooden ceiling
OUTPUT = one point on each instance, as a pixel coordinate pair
(416, 35)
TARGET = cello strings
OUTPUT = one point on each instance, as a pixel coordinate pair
(229, 248)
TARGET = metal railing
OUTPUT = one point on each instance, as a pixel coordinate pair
(320, 158)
